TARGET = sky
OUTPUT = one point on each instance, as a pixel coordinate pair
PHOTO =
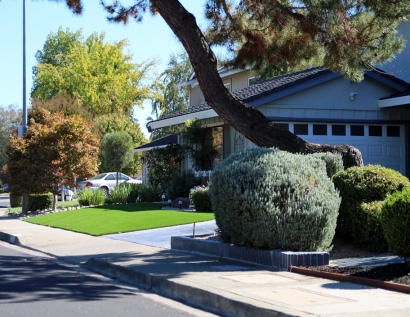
(151, 39)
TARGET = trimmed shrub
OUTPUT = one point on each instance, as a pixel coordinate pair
(266, 198)
(200, 198)
(373, 236)
(181, 184)
(395, 220)
(333, 161)
(89, 197)
(40, 201)
(142, 193)
(15, 200)
(364, 184)
(120, 193)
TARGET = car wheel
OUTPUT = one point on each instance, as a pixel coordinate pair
(105, 191)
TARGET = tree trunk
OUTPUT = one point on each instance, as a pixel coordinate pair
(247, 120)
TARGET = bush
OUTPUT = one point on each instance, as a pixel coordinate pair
(364, 184)
(333, 161)
(142, 193)
(373, 229)
(395, 221)
(266, 198)
(89, 197)
(15, 200)
(201, 199)
(182, 184)
(120, 193)
(40, 201)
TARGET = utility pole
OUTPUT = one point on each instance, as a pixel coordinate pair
(23, 127)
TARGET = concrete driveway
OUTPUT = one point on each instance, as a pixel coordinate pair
(161, 237)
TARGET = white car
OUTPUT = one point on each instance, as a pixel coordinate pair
(68, 193)
(105, 181)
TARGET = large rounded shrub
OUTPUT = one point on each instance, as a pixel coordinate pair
(395, 221)
(365, 184)
(266, 198)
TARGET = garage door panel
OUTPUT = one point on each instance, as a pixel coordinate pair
(375, 150)
(393, 151)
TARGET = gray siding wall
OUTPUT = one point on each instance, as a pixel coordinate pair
(331, 100)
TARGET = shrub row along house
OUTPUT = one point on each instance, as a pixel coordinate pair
(319, 106)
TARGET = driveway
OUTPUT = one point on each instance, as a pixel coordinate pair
(161, 237)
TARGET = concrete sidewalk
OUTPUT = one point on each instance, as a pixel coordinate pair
(224, 287)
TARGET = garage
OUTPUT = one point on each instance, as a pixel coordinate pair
(382, 144)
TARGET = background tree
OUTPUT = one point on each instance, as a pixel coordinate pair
(110, 123)
(10, 118)
(354, 35)
(55, 150)
(98, 74)
(168, 96)
(117, 150)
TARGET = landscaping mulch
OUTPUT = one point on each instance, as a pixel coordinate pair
(396, 273)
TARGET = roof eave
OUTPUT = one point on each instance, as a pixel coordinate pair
(205, 114)
(394, 102)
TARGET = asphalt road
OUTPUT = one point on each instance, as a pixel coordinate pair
(32, 284)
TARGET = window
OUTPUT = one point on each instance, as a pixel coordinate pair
(251, 81)
(284, 126)
(338, 129)
(393, 131)
(319, 129)
(357, 130)
(110, 177)
(239, 144)
(375, 130)
(301, 129)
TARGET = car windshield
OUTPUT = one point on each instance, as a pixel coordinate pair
(99, 176)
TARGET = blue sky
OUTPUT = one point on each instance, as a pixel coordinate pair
(150, 39)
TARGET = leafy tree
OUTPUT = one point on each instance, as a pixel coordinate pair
(55, 150)
(118, 150)
(10, 118)
(168, 97)
(98, 74)
(110, 123)
(354, 35)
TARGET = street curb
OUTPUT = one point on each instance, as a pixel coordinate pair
(197, 297)
(10, 238)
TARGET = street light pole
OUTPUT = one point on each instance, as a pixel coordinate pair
(23, 127)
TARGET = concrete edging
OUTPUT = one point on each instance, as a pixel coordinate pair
(274, 258)
(194, 296)
(10, 238)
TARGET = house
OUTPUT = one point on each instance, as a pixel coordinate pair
(321, 107)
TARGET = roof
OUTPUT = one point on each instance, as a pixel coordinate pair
(278, 87)
(163, 142)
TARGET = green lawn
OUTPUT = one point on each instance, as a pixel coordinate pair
(108, 219)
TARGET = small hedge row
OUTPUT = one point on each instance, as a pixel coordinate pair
(35, 201)
(360, 186)
(200, 198)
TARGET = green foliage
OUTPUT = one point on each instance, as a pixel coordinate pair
(100, 75)
(364, 184)
(333, 161)
(199, 144)
(91, 197)
(395, 221)
(182, 183)
(40, 201)
(15, 200)
(201, 199)
(120, 193)
(117, 150)
(372, 232)
(281, 35)
(266, 198)
(162, 163)
(131, 193)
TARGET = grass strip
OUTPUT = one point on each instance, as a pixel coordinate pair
(111, 219)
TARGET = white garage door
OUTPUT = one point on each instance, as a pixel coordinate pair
(382, 144)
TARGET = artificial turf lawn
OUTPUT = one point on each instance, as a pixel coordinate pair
(109, 219)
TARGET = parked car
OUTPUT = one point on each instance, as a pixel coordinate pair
(5, 188)
(68, 193)
(105, 181)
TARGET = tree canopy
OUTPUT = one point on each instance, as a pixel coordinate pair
(98, 74)
(353, 35)
(55, 150)
(10, 118)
